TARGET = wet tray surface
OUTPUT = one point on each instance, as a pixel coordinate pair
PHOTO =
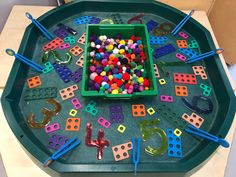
(207, 78)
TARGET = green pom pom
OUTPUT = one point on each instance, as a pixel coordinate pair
(107, 68)
(133, 64)
(139, 67)
(144, 74)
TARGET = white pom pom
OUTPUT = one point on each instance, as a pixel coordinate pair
(124, 92)
(92, 44)
(115, 51)
(92, 54)
(104, 83)
(100, 38)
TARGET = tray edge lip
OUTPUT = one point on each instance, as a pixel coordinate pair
(17, 64)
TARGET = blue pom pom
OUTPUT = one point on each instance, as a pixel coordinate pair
(139, 42)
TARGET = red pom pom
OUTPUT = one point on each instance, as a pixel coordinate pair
(119, 83)
(143, 57)
(127, 85)
(115, 64)
(126, 76)
(141, 54)
(114, 80)
(98, 79)
(146, 83)
(128, 55)
(105, 63)
(100, 50)
(116, 60)
(133, 37)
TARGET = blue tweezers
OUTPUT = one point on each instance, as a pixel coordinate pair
(60, 152)
(40, 26)
(181, 24)
(203, 134)
(136, 153)
(204, 55)
(25, 60)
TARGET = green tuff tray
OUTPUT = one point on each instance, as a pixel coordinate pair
(83, 158)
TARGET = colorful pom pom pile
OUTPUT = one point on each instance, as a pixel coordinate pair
(117, 65)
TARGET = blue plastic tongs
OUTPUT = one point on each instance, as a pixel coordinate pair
(136, 153)
(24, 60)
(203, 134)
(40, 26)
(60, 152)
(204, 55)
(181, 24)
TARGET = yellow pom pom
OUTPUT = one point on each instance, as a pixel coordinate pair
(121, 51)
(130, 41)
(140, 80)
(115, 91)
(103, 73)
(146, 88)
(122, 42)
(110, 47)
(110, 77)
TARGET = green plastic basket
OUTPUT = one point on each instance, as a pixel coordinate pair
(126, 31)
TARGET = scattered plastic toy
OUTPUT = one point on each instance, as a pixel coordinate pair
(206, 89)
(90, 108)
(136, 153)
(174, 144)
(121, 128)
(100, 142)
(67, 28)
(34, 82)
(199, 70)
(206, 135)
(25, 60)
(116, 114)
(120, 152)
(198, 57)
(71, 144)
(181, 24)
(73, 124)
(68, 92)
(193, 119)
(57, 141)
(40, 93)
(149, 128)
(151, 25)
(164, 50)
(48, 114)
(136, 18)
(194, 106)
(40, 26)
